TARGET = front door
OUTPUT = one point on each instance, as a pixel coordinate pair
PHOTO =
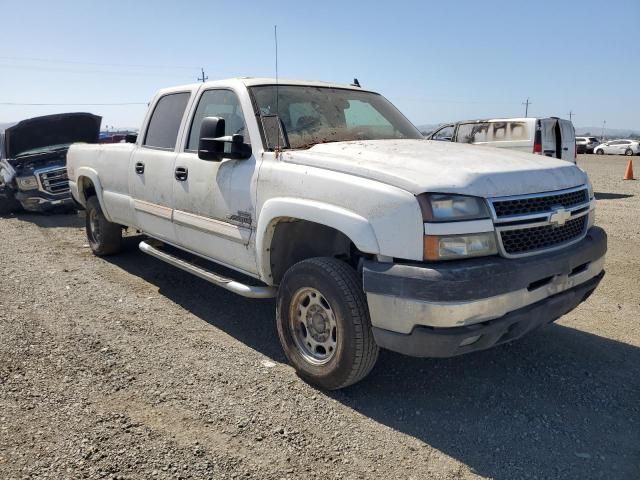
(151, 168)
(214, 201)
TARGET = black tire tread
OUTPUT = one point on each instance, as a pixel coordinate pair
(111, 232)
(346, 280)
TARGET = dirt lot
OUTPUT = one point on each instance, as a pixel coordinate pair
(127, 368)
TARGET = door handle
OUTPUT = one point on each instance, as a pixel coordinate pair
(181, 173)
(139, 168)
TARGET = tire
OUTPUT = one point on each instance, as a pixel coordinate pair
(332, 347)
(628, 152)
(599, 151)
(9, 204)
(105, 238)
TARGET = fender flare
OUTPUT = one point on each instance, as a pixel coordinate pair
(354, 226)
(92, 175)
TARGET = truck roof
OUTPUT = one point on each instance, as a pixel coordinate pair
(256, 81)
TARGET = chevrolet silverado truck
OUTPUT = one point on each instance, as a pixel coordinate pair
(33, 153)
(326, 197)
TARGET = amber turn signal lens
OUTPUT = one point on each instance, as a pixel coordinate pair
(430, 247)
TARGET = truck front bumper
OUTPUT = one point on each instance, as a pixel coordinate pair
(38, 201)
(450, 308)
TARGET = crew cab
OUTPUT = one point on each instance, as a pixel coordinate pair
(330, 200)
(32, 160)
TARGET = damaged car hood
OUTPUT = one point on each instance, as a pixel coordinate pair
(420, 165)
(41, 132)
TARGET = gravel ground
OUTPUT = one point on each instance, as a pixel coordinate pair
(128, 368)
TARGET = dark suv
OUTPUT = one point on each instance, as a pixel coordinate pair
(33, 172)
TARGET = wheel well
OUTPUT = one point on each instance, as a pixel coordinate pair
(87, 188)
(296, 240)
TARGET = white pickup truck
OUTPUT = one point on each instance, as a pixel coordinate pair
(369, 235)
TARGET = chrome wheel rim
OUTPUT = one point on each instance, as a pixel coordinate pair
(312, 324)
(94, 226)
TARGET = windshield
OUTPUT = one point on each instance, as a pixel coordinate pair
(313, 115)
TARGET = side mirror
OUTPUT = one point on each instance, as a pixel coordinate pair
(131, 138)
(211, 145)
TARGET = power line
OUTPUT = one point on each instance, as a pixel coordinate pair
(73, 104)
(101, 64)
(84, 71)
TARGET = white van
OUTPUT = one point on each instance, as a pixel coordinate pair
(553, 137)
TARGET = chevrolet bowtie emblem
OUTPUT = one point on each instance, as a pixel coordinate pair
(559, 217)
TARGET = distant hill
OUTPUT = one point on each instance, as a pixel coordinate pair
(427, 129)
(609, 132)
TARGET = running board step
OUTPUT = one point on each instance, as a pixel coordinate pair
(226, 283)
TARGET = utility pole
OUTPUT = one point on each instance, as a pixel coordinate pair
(571, 114)
(526, 107)
(203, 78)
(604, 126)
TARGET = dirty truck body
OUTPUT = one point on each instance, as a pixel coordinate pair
(368, 235)
(32, 160)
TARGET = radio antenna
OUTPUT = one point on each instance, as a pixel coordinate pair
(275, 37)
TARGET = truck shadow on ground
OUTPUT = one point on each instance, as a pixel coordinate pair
(50, 220)
(560, 403)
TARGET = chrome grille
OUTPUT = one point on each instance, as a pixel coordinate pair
(54, 181)
(531, 224)
(538, 204)
(527, 240)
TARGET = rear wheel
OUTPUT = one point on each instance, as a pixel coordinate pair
(599, 151)
(323, 323)
(105, 238)
(628, 152)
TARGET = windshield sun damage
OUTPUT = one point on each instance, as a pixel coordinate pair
(313, 115)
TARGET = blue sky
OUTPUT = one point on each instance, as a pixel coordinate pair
(437, 61)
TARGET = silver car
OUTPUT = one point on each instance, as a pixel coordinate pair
(586, 144)
(619, 147)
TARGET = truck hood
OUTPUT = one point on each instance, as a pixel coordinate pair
(420, 166)
(40, 132)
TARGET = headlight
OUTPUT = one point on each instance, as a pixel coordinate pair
(450, 247)
(442, 207)
(27, 183)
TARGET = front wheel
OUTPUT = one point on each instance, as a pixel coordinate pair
(105, 238)
(599, 151)
(323, 323)
(628, 152)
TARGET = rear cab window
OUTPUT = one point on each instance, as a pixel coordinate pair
(162, 131)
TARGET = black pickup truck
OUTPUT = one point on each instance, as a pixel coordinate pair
(33, 173)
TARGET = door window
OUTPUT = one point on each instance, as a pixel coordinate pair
(217, 103)
(162, 131)
(444, 134)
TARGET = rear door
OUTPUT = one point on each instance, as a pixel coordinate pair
(623, 147)
(548, 129)
(151, 169)
(568, 140)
